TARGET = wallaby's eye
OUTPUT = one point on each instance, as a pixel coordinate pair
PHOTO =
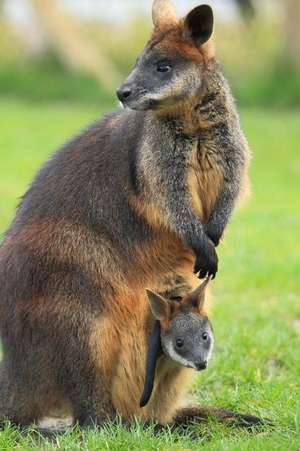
(163, 67)
(179, 342)
(205, 336)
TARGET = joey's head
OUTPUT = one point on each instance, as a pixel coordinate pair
(186, 332)
(172, 67)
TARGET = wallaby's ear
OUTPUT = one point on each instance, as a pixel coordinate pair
(196, 299)
(159, 306)
(163, 14)
(199, 24)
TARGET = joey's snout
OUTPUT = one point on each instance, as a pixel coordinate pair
(201, 365)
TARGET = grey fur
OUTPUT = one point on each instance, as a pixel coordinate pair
(195, 351)
(164, 153)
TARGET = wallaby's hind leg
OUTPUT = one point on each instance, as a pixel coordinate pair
(186, 416)
(80, 375)
(16, 404)
(89, 406)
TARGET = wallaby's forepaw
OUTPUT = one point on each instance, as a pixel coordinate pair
(213, 233)
(206, 261)
(214, 238)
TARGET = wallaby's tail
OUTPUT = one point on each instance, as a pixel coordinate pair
(189, 415)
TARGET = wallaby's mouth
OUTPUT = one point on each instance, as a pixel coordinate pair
(194, 366)
(198, 367)
(142, 100)
(141, 103)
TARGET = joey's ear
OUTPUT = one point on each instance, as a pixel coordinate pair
(196, 299)
(199, 24)
(159, 306)
(163, 14)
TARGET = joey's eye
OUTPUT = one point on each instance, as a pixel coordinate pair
(179, 342)
(205, 336)
(163, 67)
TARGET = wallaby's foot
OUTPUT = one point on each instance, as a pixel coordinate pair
(92, 422)
(189, 415)
(93, 415)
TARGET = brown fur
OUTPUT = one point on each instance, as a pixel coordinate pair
(120, 341)
(174, 40)
(205, 176)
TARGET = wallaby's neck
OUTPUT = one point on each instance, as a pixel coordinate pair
(208, 109)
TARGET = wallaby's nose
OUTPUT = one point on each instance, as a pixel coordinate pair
(201, 365)
(124, 93)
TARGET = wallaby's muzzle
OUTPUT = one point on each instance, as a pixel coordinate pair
(201, 365)
(133, 94)
(124, 93)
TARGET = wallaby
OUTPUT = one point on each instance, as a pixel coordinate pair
(182, 333)
(138, 200)
(186, 342)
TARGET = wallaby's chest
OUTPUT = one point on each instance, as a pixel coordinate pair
(205, 177)
(173, 166)
(192, 164)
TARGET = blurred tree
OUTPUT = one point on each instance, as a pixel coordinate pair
(246, 7)
(292, 31)
(73, 47)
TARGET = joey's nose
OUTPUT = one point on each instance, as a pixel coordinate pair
(201, 365)
(124, 93)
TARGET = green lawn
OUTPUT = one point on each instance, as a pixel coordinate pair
(256, 312)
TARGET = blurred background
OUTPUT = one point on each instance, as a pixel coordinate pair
(79, 50)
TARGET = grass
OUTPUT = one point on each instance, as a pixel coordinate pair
(256, 312)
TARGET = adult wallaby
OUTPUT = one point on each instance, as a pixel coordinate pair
(138, 200)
